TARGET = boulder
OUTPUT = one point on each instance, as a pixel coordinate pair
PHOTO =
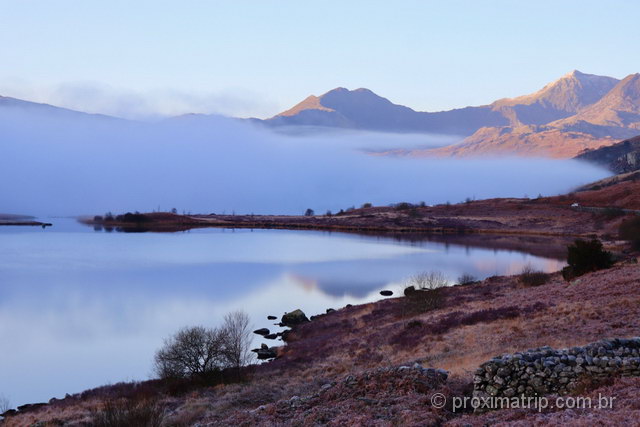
(410, 290)
(296, 317)
(267, 353)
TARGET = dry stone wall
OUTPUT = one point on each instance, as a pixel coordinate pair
(547, 371)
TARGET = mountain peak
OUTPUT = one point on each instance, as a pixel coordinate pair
(563, 97)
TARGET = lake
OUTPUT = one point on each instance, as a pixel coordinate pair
(81, 308)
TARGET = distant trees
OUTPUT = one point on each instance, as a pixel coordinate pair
(366, 205)
(201, 352)
(309, 212)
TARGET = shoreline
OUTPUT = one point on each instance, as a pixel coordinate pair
(340, 347)
(26, 223)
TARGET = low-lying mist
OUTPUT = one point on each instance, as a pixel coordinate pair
(59, 164)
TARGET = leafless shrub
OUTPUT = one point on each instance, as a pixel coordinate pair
(424, 292)
(428, 280)
(532, 277)
(192, 351)
(200, 352)
(466, 279)
(127, 413)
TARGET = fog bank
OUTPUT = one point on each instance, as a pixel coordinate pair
(78, 164)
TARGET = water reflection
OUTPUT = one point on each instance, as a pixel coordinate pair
(80, 309)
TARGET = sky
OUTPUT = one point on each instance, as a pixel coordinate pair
(257, 58)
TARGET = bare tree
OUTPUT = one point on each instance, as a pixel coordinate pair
(192, 351)
(238, 339)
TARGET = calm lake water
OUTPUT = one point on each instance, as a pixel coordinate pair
(80, 308)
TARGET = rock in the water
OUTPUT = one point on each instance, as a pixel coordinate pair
(262, 331)
(271, 317)
(296, 317)
(386, 293)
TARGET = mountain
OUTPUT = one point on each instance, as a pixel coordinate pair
(10, 106)
(614, 116)
(620, 158)
(363, 109)
(559, 99)
(618, 109)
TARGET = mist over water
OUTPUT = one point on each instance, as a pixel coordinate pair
(68, 164)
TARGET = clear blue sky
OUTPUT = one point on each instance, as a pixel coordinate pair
(259, 57)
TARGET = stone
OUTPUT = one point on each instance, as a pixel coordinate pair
(267, 353)
(294, 318)
(492, 390)
(509, 392)
(409, 290)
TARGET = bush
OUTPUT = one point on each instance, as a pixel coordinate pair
(584, 256)
(366, 205)
(466, 279)
(126, 413)
(424, 292)
(532, 277)
(630, 230)
(403, 206)
(309, 212)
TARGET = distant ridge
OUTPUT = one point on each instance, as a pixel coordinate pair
(363, 109)
(8, 104)
(614, 116)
